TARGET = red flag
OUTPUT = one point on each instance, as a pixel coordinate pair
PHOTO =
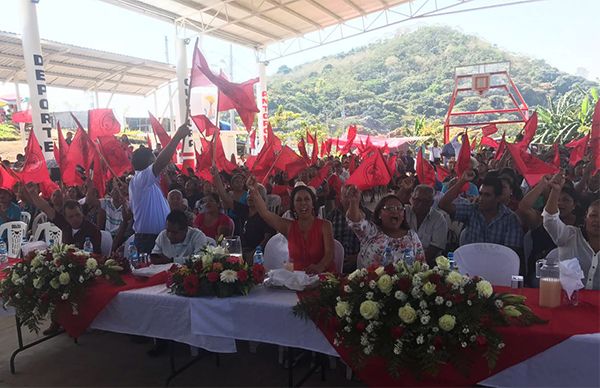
(385, 149)
(391, 163)
(80, 153)
(99, 174)
(310, 139)
(273, 139)
(204, 125)
(222, 162)
(489, 130)
(501, 147)
(148, 141)
(532, 168)
(315, 153)
(320, 177)
(203, 165)
(7, 178)
(63, 146)
(226, 103)
(474, 145)
(489, 142)
(290, 162)
(529, 131)
(238, 94)
(253, 139)
(329, 146)
(34, 168)
(264, 163)
(371, 172)
(351, 135)
(114, 154)
(579, 147)
(595, 137)
(23, 116)
(302, 149)
(102, 122)
(352, 165)
(323, 150)
(556, 159)
(463, 161)
(425, 171)
(442, 173)
(160, 133)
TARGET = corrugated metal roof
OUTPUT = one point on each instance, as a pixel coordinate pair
(77, 67)
(257, 23)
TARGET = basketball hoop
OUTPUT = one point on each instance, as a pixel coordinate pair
(480, 83)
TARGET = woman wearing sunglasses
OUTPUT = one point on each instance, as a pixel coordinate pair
(387, 230)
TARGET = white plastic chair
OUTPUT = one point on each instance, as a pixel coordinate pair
(51, 232)
(106, 241)
(338, 256)
(321, 213)
(276, 252)
(26, 217)
(274, 203)
(495, 263)
(39, 219)
(15, 232)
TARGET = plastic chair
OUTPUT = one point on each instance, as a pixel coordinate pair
(274, 203)
(495, 263)
(338, 256)
(106, 241)
(39, 219)
(51, 232)
(276, 252)
(26, 217)
(15, 232)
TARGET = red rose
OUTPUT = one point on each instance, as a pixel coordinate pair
(481, 340)
(435, 278)
(360, 326)
(212, 277)
(437, 341)
(390, 269)
(232, 260)
(404, 284)
(258, 273)
(372, 276)
(372, 267)
(397, 331)
(191, 284)
(457, 298)
(242, 275)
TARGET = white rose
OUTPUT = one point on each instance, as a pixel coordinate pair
(429, 288)
(38, 283)
(380, 271)
(355, 275)
(369, 309)
(442, 262)
(447, 322)
(484, 288)
(91, 264)
(228, 276)
(454, 278)
(342, 309)
(54, 283)
(385, 283)
(407, 314)
(64, 278)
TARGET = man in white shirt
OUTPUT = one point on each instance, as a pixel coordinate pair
(435, 153)
(178, 241)
(429, 223)
(147, 202)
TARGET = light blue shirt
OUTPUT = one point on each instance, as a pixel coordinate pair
(148, 203)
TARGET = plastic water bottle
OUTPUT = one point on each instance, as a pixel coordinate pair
(50, 243)
(132, 255)
(388, 257)
(258, 256)
(408, 256)
(88, 246)
(451, 260)
(3, 251)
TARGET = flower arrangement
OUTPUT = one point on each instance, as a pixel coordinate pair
(45, 278)
(415, 317)
(214, 273)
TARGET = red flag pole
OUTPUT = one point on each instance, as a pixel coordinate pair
(103, 158)
(271, 168)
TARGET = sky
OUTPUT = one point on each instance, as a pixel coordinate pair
(563, 33)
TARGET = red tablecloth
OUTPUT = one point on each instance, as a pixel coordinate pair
(97, 296)
(521, 342)
(10, 263)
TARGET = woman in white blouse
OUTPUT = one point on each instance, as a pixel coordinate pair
(571, 240)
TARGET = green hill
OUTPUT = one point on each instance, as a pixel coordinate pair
(394, 83)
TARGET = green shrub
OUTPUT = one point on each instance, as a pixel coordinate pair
(8, 132)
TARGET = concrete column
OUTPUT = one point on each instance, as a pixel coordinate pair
(183, 73)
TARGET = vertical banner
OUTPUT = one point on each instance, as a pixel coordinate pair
(188, 156)
(263, 105)
(36, 79)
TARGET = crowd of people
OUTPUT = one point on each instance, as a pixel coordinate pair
(170, 214)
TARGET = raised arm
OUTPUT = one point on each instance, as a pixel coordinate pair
(556, 183)
(38, 202)
(446, 203)
(226, 198)
(406, 189)
(166, 154)
(530, 217)
(279, 224)
(354, 213)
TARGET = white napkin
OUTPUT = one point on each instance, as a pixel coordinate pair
(151, 270)
(33, 246)
(570, 275)
(297, 280)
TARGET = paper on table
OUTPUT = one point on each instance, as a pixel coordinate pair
(151, 270)
(297, 280)
(570, 275)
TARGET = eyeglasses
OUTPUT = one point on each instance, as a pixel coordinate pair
(393, 208)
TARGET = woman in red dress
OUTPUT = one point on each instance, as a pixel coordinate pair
(310, 239)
